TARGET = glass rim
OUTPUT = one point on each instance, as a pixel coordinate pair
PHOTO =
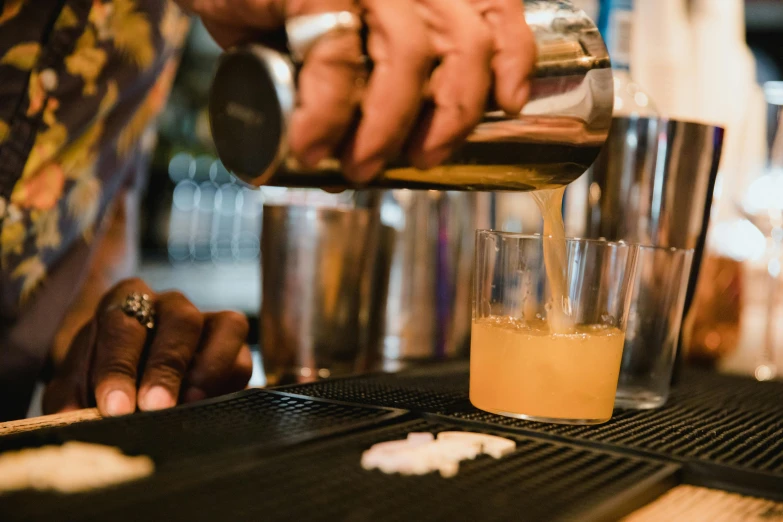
(621, 242)
(671, 250)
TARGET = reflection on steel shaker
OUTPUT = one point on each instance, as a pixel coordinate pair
(323, 287)
(653, 184)
(428, 306)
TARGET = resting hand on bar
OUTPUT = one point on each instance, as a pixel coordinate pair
(123, 362)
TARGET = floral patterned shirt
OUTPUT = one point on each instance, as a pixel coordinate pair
(81, 82)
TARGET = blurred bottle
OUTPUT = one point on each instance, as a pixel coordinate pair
(661, 56)
(713, 328)
(729, 96)
(616, 23)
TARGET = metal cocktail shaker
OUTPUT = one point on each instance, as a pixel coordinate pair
(553, 141)
(653, 185)
(324, 275)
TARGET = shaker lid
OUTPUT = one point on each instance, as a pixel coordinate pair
(251, 100)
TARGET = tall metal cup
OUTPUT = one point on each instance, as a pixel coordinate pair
(652, 184)
(324, 276)
(428, 306)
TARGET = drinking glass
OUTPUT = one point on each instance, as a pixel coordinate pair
(518, 367)
(653, 329)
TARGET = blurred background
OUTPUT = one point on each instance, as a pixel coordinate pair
(201, 230)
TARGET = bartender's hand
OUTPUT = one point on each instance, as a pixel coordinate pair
(478, 43)
(117, 363)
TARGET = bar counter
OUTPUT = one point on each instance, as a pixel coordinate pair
(714, 452)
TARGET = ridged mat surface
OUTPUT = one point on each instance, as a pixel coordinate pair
(731, 425)
(541, 480)
(294, 454)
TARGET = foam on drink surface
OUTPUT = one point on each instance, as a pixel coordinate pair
(522, 368)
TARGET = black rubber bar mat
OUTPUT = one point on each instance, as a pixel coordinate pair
(264, 420)
(729, 430)
(430, 389)
(541, 480)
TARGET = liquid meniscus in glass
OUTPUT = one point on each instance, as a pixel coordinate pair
(523, 369)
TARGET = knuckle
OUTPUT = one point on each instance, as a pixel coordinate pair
(168, 365)
(119, 290)
(244, 371)
(128, 285)
(480, 40)
(190, 317)
(464, 113)
(205, 372)
(176, 310)
(174, 297)
(339, 48)
(120, 329)
(415, 50)
(115, 352)
(133, 281)
(117, 364)
(236, 322)
(178, 296)
(243, 367)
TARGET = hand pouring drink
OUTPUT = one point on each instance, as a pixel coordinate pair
(553, 141)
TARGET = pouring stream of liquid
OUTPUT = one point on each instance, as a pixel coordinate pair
(550, 202)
